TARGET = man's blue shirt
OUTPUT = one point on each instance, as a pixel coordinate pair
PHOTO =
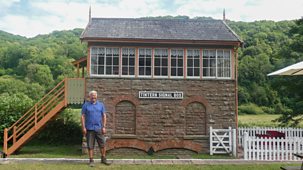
(93, 115)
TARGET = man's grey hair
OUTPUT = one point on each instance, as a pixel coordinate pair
(92, 92)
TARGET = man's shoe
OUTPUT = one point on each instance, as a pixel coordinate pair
(91, 163)
(104, 161)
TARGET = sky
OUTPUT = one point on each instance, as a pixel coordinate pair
(32, 17)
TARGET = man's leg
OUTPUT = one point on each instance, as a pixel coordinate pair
(90, 138)
(101, 142)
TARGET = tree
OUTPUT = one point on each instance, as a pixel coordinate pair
(40, 74)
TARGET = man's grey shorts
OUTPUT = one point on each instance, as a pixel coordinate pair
(91, 135)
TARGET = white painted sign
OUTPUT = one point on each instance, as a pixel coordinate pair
(160, 95)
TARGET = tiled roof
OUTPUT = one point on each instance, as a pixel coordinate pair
(158, 29)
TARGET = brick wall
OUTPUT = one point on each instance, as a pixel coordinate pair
(180, 123)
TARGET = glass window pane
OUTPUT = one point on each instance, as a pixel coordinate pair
(108, 70)
(189, 62)
(180, 62)
(157, 62)
(148, 62)
(180, 71)
(164, 62)
(157, 71)
(94, 69)
(116, 70)
(148, 71)
(197, 63)
(189, 71)
(125, 61)
(132, 61)
(116, 61)
(173, 62)
(124, 70)
(205, 72)
(131, 70)
(94, 59)
(101, 60)
(101, 70)
(141, 70)
(108, 61)
(141, 62)
(164, 72)
(173, 72)
(196, 71)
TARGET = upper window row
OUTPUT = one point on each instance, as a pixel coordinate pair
(160, 62)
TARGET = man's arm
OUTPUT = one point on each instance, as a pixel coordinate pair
(104, 123)
(83, 124)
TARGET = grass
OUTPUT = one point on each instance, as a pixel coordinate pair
(83, 166)
(260, 120)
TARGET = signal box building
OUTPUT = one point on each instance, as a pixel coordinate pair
(164, 82)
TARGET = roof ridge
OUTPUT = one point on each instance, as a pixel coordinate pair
(158, 19)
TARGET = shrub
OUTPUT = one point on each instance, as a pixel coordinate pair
(12, 107)
(62, 130)
(250, 108)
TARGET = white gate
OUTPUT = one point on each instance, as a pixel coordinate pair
(223, 141)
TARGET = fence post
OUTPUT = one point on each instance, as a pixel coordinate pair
(211, 140)
(245, 148)
(14, 134)
(36, 119)
(234, 133)
(5, 141)
(65, 91)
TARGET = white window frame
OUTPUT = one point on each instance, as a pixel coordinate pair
(177, 66)
(128, 59)
(203, 61)
(161, 66)
(97, 65)
(225, 51)
(216, 65)
(151, 63)
(193, 67)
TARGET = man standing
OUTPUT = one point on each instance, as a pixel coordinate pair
(93, 121)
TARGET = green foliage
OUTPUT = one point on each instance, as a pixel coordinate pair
(250, 108)
(12, 107)
(63, 130)
(40, 74)
(12, 86)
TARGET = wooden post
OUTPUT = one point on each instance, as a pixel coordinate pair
(65, 91)
(83, 72)
(235, 146)
(78, 70)
(245, 147)
(36, 119)
(211, 140)
(5, 141)
(14, 134)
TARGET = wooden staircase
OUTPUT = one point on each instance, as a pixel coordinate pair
(68, 91)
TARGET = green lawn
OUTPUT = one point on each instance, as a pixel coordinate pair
(260, 120)
(265, 120)
(83, 166)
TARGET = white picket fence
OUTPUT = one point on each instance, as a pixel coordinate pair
(289, 132)
(271, 149)
(223, 141)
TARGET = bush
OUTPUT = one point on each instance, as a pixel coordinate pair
(250, 108)
(12, 107)
(62, 130)
(268, 110)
